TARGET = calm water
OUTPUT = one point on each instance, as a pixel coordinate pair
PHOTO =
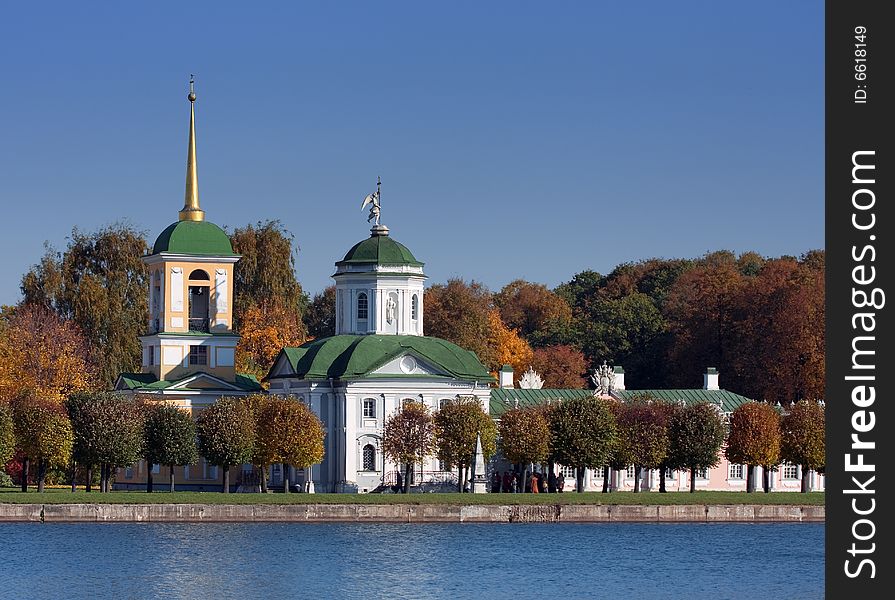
(643, 562)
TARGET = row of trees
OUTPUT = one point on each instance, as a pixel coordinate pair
(104, 431)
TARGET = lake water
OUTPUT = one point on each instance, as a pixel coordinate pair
(611, 560)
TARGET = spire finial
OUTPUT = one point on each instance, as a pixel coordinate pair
(373, 199)
(191, 210)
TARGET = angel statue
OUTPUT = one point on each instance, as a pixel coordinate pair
(374, 200)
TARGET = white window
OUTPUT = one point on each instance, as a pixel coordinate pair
(629, 472)
(790, 471)
(198, 355)
(211, 471)
(735, 471)
(362, 307)
(443, 402)
(567, 472)
(702, 473)
(129, 472)
(156, 469)
(414, 307)
(369, 458)
(369, 408)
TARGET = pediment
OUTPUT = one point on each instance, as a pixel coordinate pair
(409, 363)
(204, 381)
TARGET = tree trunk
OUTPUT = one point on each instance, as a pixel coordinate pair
(606, 480)
(806, 474)
(285, 478)
(408, 469)
(226, 486)
(460, 478)
(750, 478)
(692, 480)
(637, 471)
(74, 476)
(171, 477)
(765, 479)
(89, 486)
(148, 476)
(579, 480)
(26, 464)
(102, 478)
(662, 489)
(263, 474)
(41, 474)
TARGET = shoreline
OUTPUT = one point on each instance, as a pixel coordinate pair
(410, 513)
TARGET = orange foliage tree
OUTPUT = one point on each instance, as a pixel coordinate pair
(536, 312)
(44, 355)
(266, 329)
(561, 367)
(754, 438)
(506, 347)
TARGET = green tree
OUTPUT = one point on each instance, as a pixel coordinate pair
(803, 442)
(320, 318)
(100, 283)
(696, 433)
(459, 312)
(43, 434)
(226, 435)
(409, 436)
(643, 431)
(7, 437)
(524, 438)
(457, 425)
(290, 433)
(170, 439)
(754, 439)
(583, 432)
(108, 432)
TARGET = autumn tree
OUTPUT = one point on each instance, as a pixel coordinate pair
(538, 314)
(505, 347)
(320, 317)
(170, 439)
(43, 354)
(99, 282)
(457, 425)
(524, 438)
(459, 312)
(582, 434)
(266, 329)
(290, 433)
(108, 432)
(803, 443)
(409, 436)
(561, 367)
(226, 435)
(754, 439)
(43, 434)
(7, 437)
(643, 431)
(696, 433)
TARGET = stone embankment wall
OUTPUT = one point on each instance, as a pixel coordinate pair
(408, 513)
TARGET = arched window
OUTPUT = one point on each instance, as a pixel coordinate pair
(362, 306)
(199, 274)
(369, 408)
(369, 458)
(414, 307)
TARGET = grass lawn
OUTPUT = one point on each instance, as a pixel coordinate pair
(64, 496)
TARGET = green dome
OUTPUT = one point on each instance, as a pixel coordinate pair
(194, 237)
(379, 250)
(356, 356)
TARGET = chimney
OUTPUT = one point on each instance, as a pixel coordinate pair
(710, 379)
(619, 378)
(505, 377)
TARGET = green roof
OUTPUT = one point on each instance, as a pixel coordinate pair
(149, 382)
(503, 399)
(728, 401)
(379, 250)
(194, 237)
(355, 356)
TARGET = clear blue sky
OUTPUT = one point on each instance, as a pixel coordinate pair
(517, 139)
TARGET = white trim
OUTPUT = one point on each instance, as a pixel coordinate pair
(170, 257)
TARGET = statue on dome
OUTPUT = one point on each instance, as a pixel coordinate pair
(374, 200)
(603, 379)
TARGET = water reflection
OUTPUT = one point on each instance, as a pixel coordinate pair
(643, 561)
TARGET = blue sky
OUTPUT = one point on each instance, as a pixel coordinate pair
(516, 139)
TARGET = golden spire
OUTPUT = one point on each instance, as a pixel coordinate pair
(191, 210)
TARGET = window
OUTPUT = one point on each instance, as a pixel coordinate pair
(198, 355)
(629, 472)
(199, 274)
(369, 458)
(414, 307)
(151, 356)
(362, 307)
(444, 402)
(790, 471)
(211, 471)
(568, 472)
(369, 408)
(670, 474)
(735, 471)
(702, 473)
(156, 469)
(129, 472)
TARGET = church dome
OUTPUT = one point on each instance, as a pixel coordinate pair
(379, 250)
(193, 237)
